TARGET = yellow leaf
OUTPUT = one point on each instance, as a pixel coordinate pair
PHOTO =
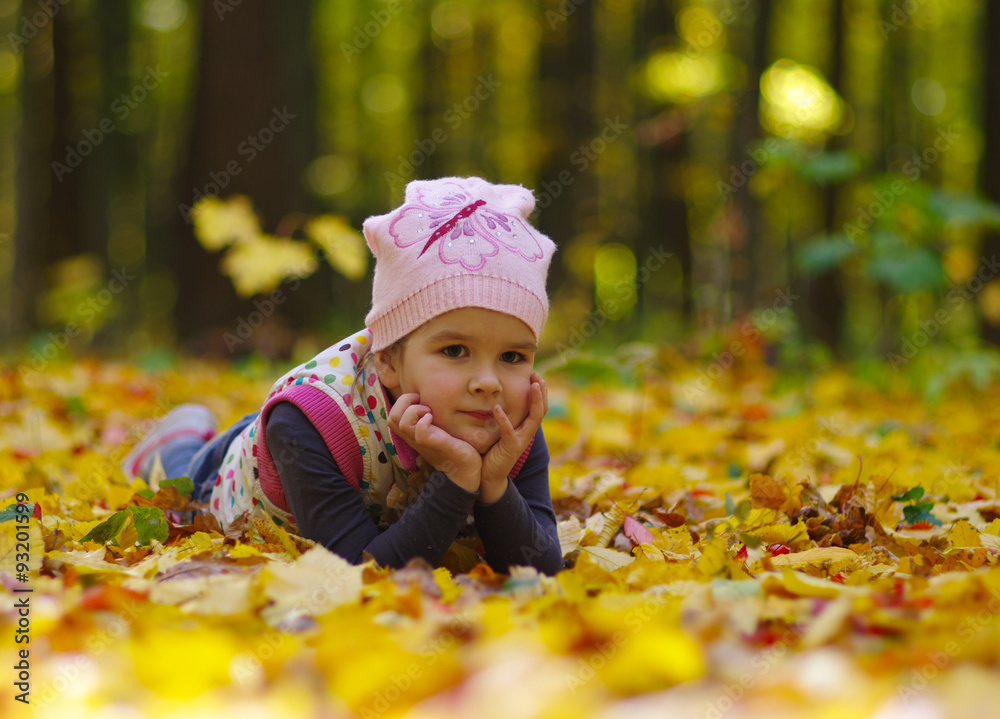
(609, 559)
(570, 532)
(315, 583)
(449, 590)
(837, 557)
(244, 551)
(204, 653)
(344, 247)
(271, 533)
(676, 540)
(21, 547)
(218, 222)
(964, 534)
(261, 264)
(780, 534)
(714, 559)
(804, 585)
(655, 657)
(766, 492)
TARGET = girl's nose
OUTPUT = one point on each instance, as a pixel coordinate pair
(485, 380)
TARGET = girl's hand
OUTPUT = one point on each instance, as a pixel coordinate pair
(502, 456)
(414, 423)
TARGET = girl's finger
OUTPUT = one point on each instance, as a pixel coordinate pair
(403, 403)
(421, 428)
(503, 421)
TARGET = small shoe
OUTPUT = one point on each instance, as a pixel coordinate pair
(185, 420)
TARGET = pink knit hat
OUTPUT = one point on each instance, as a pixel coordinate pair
(456, 242)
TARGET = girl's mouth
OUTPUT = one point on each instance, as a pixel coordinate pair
(478, 414)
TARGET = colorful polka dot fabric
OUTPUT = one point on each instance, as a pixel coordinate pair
(338, 372)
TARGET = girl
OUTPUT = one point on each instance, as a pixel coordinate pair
(385, 442)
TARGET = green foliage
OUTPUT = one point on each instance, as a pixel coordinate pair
(902, 267)
(916, 512)
(824, 253)
(149, 522)
(910, 495)
(183, 485)
(11, 513)
(980, 367)
(964, 210)
(830, 167)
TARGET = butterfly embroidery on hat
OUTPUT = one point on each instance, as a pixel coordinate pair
(464, 230)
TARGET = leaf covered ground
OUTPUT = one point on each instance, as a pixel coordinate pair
(735, 546)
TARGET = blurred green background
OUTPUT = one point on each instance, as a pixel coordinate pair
(804, 179)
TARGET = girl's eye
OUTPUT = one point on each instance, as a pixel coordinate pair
(453, 351)
(512, 357)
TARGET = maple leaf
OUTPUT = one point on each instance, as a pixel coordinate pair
(261, 264)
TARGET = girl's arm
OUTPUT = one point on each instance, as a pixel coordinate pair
(520, 527)
(328, 511)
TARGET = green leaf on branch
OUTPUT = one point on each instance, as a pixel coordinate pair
(831, 167)
(964, 210)
(904, 268)
(823, 253)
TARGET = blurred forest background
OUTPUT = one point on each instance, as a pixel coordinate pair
(814, 176)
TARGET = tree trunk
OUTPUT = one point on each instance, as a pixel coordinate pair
(565, 205)
(34, 173)
(663, 151)
(990, 164)
(745, 255)
(252, 133)
(824, 294)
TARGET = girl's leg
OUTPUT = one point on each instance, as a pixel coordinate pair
(204, 465)
(176, 438)
(176, 455)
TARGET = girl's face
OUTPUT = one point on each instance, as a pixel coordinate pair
(461, 364)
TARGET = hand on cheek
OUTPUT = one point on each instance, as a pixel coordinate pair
(502, 456)
(414, 423)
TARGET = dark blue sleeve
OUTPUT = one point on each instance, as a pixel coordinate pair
(520, 527)
(330, 512)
